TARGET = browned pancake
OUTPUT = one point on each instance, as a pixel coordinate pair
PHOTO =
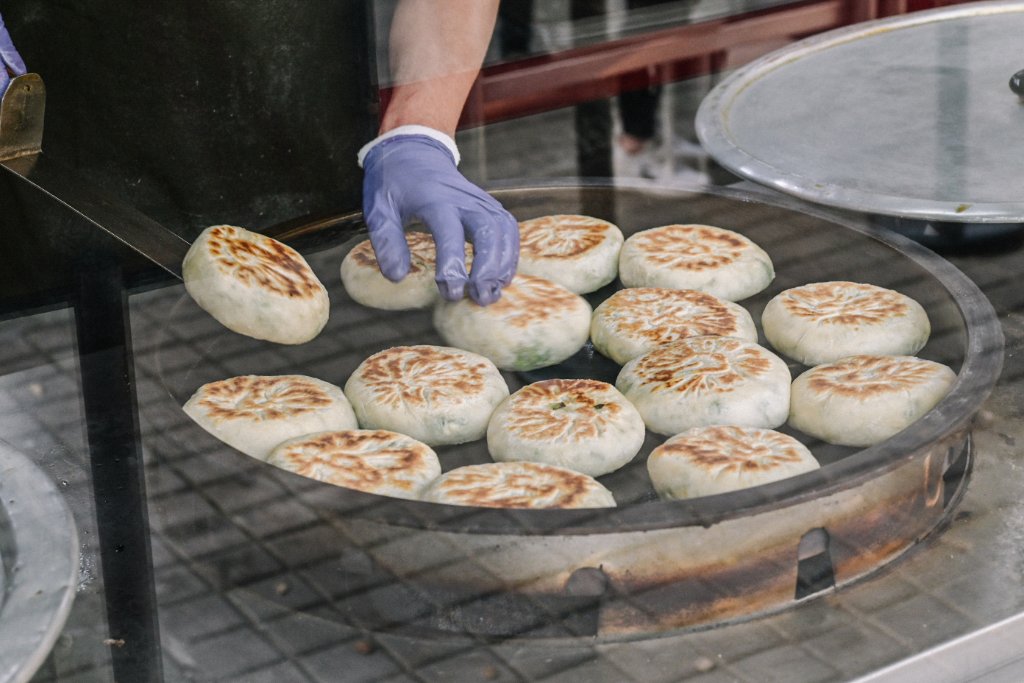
(563, 410)
(844, 303)
(518, 485)
(423, 255)
(716, 459)
(423, 376)
(661, 315)
(263, 398)
(374, 461)
(262, 262)
(529, 300)
(870, 377)
(690, 247)
(561, 236)
(727, 450)
(702, 365)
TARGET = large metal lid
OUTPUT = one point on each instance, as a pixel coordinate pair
(911, 116)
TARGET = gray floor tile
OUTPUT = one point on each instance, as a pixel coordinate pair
(191, 620)
(240, 565)
(205, 536)
(220, 657)
(856, 648)
(211, 464)
(243, 491)
(275, 597)
(788, 664)
(274, 517)
(906, 619)
(282, 672)
(477, 665)
(306, 546)
(162, 481)
(177, 582)
(351, 662)
(874, 594)
(598, 670)
(661, 659)
(299, 633)
(186, 506)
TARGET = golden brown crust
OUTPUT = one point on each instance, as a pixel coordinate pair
(265, 263)
(367, 460)
(663, 315)
(844, 303)
(866, 377)
(561, 236)
(702, 365)
(561, 409)
(252, 397)
(515, 485)
(529, 300)
(422, 375)
(422, 253)
(690, 247)
(732, 450)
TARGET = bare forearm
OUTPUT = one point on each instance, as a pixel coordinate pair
(437, 47)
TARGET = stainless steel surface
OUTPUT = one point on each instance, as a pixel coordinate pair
(908, 116)
(665, 564)
(38, 564)
(21, 117)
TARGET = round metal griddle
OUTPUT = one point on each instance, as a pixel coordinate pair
(38, 565)
(913, 116)
(648, 565)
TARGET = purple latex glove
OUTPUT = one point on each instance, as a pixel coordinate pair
(411, 177)
(10, 60)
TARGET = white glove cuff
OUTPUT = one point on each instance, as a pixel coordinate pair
(410, 130)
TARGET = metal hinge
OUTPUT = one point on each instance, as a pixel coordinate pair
(21, 117)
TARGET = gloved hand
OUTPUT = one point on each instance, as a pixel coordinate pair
(10, 60)
(415, 177)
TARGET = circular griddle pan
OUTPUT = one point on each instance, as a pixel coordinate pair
(648, 565)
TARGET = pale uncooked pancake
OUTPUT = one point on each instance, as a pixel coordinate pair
(436, 394)
(634, 321)
(361, 276)
(825, 321)
(534, 324)
(701, 257)
(705, 381)
(580, 424)
(707, 460)
(255, 413)
(255, 285)
(375, 461)
(863, 400)
(518, 485)
(578, 252)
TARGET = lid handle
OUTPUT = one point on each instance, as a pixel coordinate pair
(1017, 84)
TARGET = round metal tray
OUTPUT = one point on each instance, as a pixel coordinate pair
(720, 557)
(910, 116)
(38, 565)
